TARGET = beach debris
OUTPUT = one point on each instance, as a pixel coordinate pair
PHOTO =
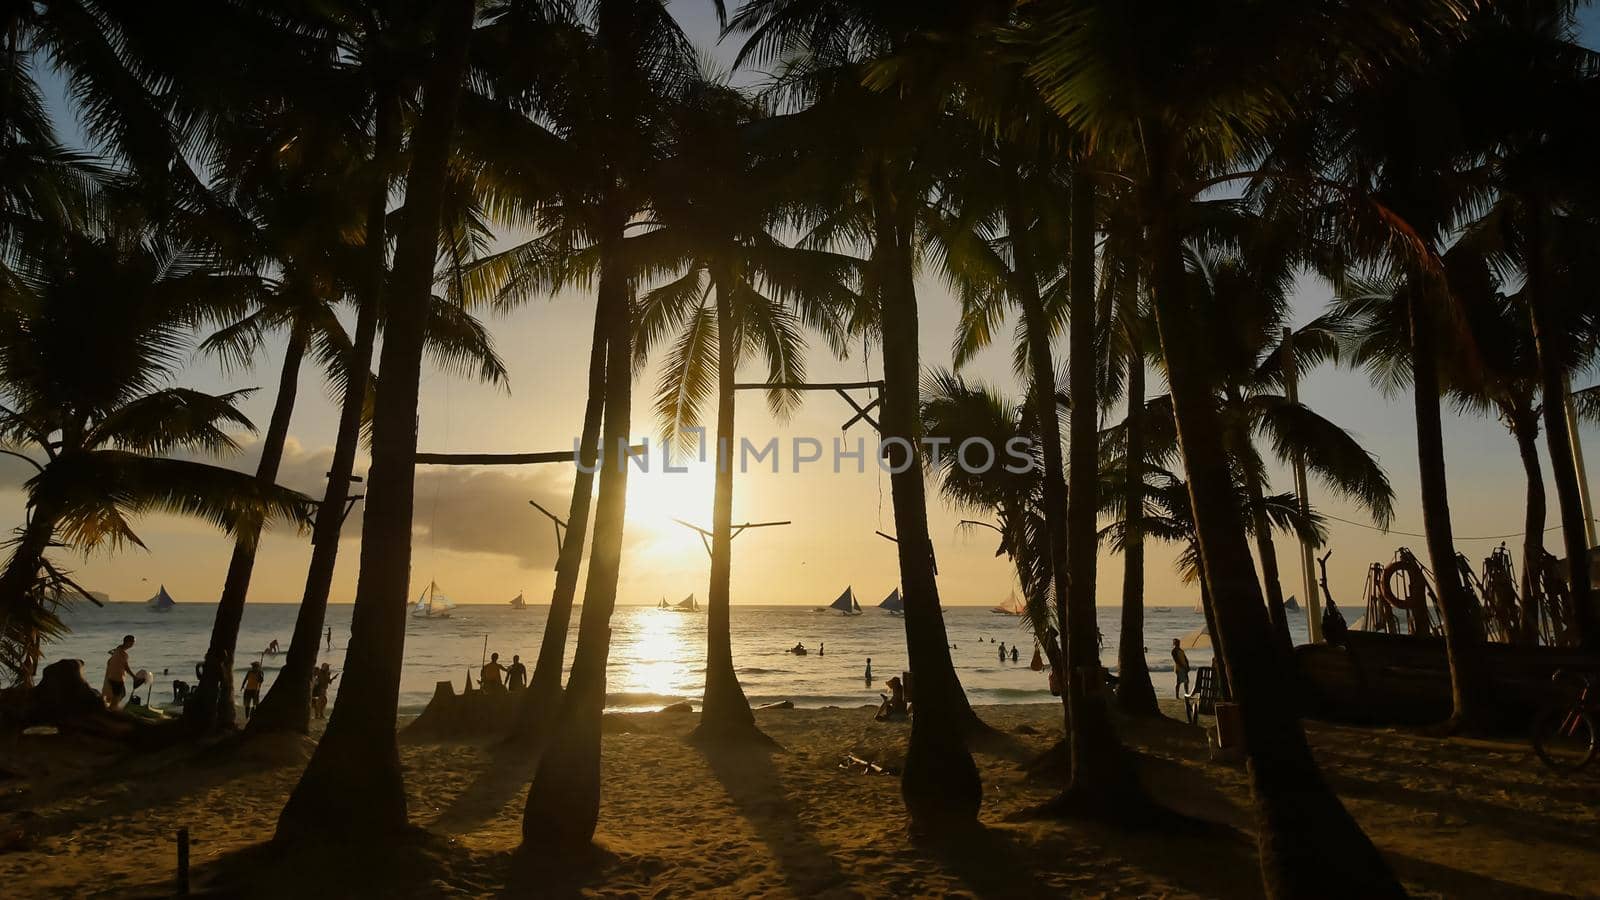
(852, 763)
(781, 704)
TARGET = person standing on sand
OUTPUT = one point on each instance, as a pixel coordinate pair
(489, 678)
(252, 688)
(516, 674)
(1180, 666)
(320, 680)
(117, 668)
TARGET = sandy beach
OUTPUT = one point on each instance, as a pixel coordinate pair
(1455, 817)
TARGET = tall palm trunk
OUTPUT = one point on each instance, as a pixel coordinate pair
(726, 712)
(1219, 664)
(1525, 428)
(564, 800)
(1309, 844)
(1558, 437)
(1102, 777)
(212, 706)
(940, 784)
(353, 785)
(542, 700)
(1463, 628)
(1267, 551)
(1135, 693)
(287, 706)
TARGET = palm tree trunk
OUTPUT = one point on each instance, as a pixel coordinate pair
(287, 706)
(1135, 693)
(1525, 428)
(564, 800)
(1309, 844)
(940, 784)
(1219, 665)
(352, 786)
(542, 700)
(725, 713)
(1267, 551)
(1102, 777)
(1558, 438)
(212, 706)
(1463, 629)
(18, 619)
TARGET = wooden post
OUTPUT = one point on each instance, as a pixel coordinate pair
(1308, 571)
(183, 862)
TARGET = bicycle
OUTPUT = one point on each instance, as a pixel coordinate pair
(1566, 735)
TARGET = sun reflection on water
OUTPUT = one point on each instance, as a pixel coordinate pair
(667, 649)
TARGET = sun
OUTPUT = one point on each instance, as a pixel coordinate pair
(657, 497)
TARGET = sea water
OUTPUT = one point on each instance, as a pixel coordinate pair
(657, 656)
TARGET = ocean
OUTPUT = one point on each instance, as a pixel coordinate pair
(657, 656)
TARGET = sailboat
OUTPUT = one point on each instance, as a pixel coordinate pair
(1011, 607)
(847, 604)
(1291, 604)
(663, 604)
(161, 602)
(893, 603)
(518, 603)
(431, 604)
(687, 604)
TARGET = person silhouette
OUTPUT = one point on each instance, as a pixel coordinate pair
(869, 672)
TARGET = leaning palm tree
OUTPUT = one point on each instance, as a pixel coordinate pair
(716, 202)
(353, 782)
(1174, 100)
(83, 371)
(1249, 287)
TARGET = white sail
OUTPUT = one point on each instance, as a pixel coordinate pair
(431, 604)
(688, 604)
(893, 603)
(161, 602)
(846, 603)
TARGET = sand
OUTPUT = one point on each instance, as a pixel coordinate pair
(1456, 817)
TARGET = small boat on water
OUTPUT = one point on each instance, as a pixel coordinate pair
(847, 604)
(1011, 607)
(1291, 604)
(431, 604)
(161, 602)
(663, 604)
(518, 603)
(893, 603)
(687, 604)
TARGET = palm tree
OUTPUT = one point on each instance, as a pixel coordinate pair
(1249, 289)
(742, 290)
(353, 781)
(882, 155)
(1175, 100)
(127, 300)
(564, 152)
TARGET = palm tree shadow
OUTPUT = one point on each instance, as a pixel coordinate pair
(509, 771)
(748, 774)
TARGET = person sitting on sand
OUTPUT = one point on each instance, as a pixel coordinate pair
(516, 674)
(893, 706)
(1180, 667)
(252, 688)
(489, 678)
(117, 668)
(320, 680)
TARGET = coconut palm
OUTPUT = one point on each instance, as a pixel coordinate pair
(1249, 291)
(127, 300)
(1176, 98)
(353, 781)
(883, 156)
(716, 202)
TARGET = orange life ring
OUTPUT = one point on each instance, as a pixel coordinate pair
(1417, 602)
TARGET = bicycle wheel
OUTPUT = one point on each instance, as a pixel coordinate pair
(1565, 738)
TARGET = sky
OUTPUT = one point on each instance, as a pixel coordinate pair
(476, 535)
